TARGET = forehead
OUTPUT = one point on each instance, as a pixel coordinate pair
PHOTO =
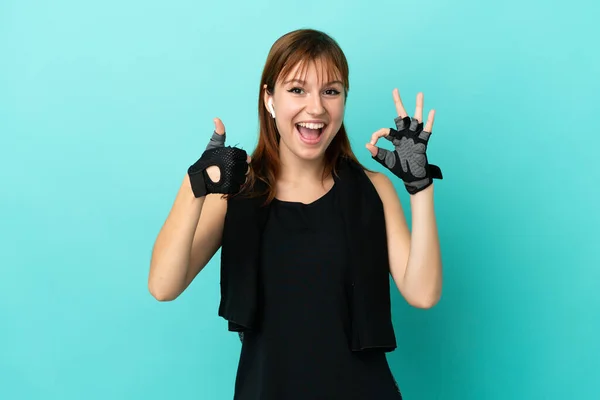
(319, 71)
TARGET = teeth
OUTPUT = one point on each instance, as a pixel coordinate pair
(311, 125)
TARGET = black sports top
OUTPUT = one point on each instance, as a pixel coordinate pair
(300, 348)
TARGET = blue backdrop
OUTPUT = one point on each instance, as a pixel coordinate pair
(104, 104)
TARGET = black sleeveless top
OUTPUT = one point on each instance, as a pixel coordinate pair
(301, 346)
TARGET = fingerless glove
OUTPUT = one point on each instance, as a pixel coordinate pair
(409, 161)
(232, 163)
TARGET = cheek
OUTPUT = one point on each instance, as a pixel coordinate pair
(284, 123)
(287, 107)
(337, 113)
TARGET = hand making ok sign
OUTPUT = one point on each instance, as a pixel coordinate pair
(408, 160)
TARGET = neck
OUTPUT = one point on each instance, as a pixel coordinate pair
(296, 170)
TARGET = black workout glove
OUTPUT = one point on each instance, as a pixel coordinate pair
(408, 161)
(230, 160)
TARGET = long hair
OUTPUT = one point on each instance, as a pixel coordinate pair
(296, 48)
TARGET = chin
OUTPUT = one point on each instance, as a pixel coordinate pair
(310, 155)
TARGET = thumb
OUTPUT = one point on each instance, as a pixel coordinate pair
(372, 149)
(217, 139)
(219, 127)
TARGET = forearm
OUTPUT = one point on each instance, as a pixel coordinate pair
(171, 252)
(423, 274)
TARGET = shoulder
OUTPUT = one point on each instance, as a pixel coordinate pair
(380, 181)
(378, 178)
(384, 187)
(382, 184)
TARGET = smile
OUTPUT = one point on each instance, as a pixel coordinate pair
(310, 133)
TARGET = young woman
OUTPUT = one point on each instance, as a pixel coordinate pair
(308, 236)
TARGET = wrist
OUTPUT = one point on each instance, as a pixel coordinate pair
(423, 195)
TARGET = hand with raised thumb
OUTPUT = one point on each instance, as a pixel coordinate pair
(220, 169)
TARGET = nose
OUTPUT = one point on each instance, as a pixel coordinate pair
(314, 105)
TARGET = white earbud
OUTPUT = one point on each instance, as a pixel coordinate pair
(272, 108)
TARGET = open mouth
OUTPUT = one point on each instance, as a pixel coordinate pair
(310, 133)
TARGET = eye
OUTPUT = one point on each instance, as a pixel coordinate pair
(332, 92)
(295, 90)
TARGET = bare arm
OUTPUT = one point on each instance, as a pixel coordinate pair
(188, 239)
(192, 232)
(415, 260)
(208, 235)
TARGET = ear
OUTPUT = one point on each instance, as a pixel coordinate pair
(267, 97)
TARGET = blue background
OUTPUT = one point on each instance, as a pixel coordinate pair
(104, 104)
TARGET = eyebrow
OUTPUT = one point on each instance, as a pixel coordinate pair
(300, 81)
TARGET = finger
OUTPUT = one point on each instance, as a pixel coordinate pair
(402, 123)
(248, 159)
(217, 139)
(219, 127)
(429, 124)
(398, 102)
(383, 132)
(372, 149)
(385, 157)
(419, 109)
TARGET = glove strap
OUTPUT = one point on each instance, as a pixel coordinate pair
(434, 172)
(198, 184)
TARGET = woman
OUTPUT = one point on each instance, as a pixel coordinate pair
(308, 236)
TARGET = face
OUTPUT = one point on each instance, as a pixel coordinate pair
(308, 111)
